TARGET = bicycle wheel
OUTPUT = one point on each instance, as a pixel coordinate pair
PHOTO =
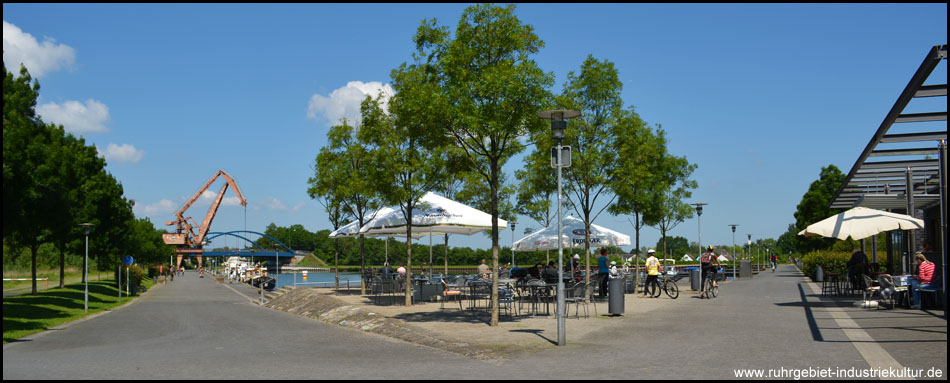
(714, 290)
(672, 290)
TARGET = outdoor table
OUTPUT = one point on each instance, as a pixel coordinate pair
(538, 294)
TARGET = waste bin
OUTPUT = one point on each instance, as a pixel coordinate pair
(745, 269)
(819, 275)
(616, 289)
(695, 279)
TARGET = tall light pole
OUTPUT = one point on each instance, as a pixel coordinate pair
(513, 242)
(85, 273)
(699, 217)
(750, 254)
(559, 160)
(733, 250)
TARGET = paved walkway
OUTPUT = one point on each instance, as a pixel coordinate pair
(193, 328)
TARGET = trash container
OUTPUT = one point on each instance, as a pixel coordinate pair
(745, 269)
(819, 275)
(695, 279)
(616, 289)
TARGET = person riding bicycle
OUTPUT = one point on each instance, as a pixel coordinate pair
(774, 260)
(709, 263)
(653, 271)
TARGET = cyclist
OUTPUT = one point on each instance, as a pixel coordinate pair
(709, 263)
(653, 271)
(774, 260)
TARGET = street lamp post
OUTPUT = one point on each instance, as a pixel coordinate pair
(750, 255)
(85, 273)
(699, 217)
(559, 160)
(513, 242)
(733, 250)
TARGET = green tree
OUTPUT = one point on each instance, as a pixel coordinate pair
(638, 172)
(485, 92)
(676, 186)
(815, 206)
(343, 176)
(595, 92)
(407, 160)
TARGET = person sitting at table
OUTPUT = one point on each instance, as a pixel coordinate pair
(922, 279)
(535, 271)
(386, 272)
(401, 271)
(519, 273)
(857, 266)
(482, 269)
(549, 275)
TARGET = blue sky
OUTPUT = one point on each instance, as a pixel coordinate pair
(760, 97)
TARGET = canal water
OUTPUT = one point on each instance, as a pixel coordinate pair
(316, 279)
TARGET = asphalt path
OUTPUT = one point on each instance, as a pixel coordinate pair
(195, 329)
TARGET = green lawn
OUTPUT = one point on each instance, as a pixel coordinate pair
(29, 314)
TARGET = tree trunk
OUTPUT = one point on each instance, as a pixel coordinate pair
(62, 265)
(408, 280)
(33, 250)
(494, 242)
(336, 266)
(362, 265)
(446, 254)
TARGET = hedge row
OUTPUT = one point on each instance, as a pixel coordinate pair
(836, 261)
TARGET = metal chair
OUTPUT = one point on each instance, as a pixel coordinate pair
(448, 293)
(870, 290)
(577, 296)
(887, 290)
(830, 284)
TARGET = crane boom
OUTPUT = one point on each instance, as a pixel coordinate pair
(185, 239)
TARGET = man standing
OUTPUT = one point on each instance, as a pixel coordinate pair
(603, 272)
(653, 272)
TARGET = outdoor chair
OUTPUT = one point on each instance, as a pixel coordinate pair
(888, 290)
(506, 299)
(577, 295)
(830, 284)
(479, 291)
(450, 293)
(870, 290)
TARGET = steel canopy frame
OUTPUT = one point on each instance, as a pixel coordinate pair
(863, 178)
(859, 187)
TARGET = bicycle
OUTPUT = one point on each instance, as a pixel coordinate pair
(669, 286)
(774, 266)
(710, 289)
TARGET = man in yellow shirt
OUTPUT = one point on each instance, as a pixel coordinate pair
(653, 271)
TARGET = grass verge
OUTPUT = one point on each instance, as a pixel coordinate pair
(27, 314)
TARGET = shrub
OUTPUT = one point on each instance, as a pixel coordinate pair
(836, 261)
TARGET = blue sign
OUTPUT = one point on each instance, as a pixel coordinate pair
(127, 260)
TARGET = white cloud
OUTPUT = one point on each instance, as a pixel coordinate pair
(39, 58)
(345, 102)
(125, 153)
(299, 206)
(76, 117)
(208, 197)
(274, 204)
(163, 207)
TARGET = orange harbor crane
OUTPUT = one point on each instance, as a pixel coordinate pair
(185, 240)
